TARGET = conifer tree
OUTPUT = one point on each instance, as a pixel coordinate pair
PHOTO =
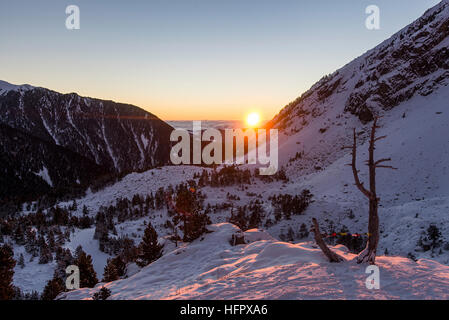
(45, 254)
(103, 294)
(53, 287)
(195, 226)
(64, 259)
(21, 261)
(303, 232)
(88, 276)
(110, 272)
(149, 249)
(119, 265)
(78, 251)
(7, 265)
(18, 294)
(74, 206)
(19, 235)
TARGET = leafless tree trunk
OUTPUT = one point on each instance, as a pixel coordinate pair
(369, 253)
(332, 256)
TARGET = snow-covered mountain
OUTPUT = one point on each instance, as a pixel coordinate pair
(403, 70)
(32, 167)
(73, 140)
(405, 80)
(118, 136)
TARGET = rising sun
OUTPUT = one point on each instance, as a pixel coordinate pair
(253, 119)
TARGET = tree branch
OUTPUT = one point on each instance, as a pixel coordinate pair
(332, 256)
(354, 169)
(382, 160)
(379, 138)
(387, 167)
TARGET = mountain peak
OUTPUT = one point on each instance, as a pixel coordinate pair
(118, 136)
(414, 61)
(6, 86)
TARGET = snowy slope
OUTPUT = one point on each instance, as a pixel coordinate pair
(135, 183)
(412, 197)
(405, 80)
(269, 269)
(412, 64)
(34, 276)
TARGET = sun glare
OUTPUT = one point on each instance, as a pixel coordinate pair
(253, 119)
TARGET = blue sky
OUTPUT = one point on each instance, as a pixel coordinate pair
(191, 59)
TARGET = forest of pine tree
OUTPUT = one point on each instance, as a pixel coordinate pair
(7, 264)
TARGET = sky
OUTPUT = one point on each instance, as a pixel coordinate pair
(191, 59)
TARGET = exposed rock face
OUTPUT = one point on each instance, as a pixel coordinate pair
(54, 143)
(414, 61)
(118, 136)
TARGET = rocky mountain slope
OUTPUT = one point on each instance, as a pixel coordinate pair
(118, 136)
(58, 143)
(413, 63)
(32, 167)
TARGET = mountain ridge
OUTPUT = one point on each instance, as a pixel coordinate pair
(412, 63)
(120, 136)
(102, 137)
(332, 83)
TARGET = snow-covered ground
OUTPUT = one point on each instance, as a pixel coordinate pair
(411, 198)
(211, 268)
(34, 276)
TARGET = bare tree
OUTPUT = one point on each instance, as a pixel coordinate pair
(332, 256)
(369, 253)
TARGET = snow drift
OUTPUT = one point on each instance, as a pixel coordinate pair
(210, 268)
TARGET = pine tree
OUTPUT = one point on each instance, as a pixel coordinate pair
(7, 264)
(19, 235)
(239, 218)
(129, 250)
(78, 251)
(303, 232)
(45, 254)
(290, 235)
(18, 294)
(88, 276)
(51, 240)
(119, 265)
(100, 228)
(110, 272)
(34, 295)
(53, 287)
(64, 259)
(21, 261)
(434, 235)
(31, 242)
(74, 206)
(103, 294)
(195, 226)
(149, 249)
(60, 239)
